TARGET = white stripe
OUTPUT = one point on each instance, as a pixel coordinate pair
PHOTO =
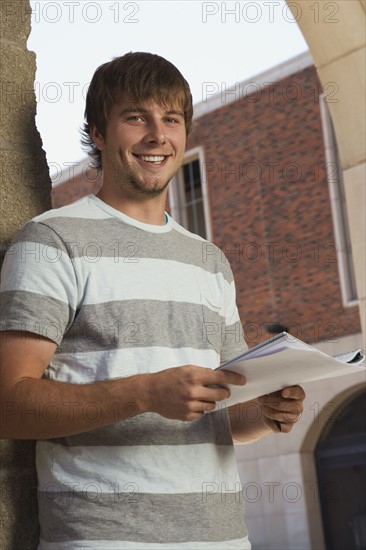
(41, 269)
(149, 279)
(151, 228)
(83, 367)
(167, 469)
(142, 279)
(231, 310)
(237, 544)
(84, 208)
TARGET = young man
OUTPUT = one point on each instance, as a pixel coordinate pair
(105, 358)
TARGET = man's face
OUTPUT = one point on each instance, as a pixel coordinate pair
(143, 147)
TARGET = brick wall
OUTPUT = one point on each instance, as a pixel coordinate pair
(269, 199)
(269, 202)
(86, 183)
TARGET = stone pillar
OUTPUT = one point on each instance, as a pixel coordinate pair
(335, 33)
(25, 192)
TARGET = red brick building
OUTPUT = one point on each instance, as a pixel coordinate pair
(261, 180)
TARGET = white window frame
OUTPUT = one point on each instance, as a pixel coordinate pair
(176, 185)
(338, 207)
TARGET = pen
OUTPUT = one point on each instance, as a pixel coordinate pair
(278, 424)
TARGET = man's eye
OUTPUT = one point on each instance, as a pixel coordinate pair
(172, 120)
(135, 117)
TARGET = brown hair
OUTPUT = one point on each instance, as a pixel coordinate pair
(137, 75)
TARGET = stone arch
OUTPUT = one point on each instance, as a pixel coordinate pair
(326, 414)
(322, 424)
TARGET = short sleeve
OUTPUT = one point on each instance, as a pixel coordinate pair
(38, 291)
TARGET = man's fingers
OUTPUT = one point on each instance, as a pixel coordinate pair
(283, 407)
(285, 427)
(288, 412)
(215, 393)
(293, 392)
(288, 407)
(207, 406)
(229, 377)
(287, 395)
(220, 390)
(207, 377)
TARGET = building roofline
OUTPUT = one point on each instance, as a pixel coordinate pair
(238, 90)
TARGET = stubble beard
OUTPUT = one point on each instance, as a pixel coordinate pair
(130, 181)
(140, 189)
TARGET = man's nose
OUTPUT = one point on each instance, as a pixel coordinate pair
(155, 132)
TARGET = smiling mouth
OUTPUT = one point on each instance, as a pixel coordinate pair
(153, 159)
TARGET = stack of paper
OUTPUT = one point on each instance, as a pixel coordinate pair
(286, 361)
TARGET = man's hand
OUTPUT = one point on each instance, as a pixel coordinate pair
(282, 409)
(275, 412)
(185, 393)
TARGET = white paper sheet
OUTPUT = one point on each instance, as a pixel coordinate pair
(289, 367)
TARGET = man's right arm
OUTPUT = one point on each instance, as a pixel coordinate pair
(33, 407)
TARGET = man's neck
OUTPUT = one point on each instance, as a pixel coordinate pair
(149, 211)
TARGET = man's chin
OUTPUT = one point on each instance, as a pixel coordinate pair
(149, 189)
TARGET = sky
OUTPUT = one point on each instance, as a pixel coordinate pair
(213, 44)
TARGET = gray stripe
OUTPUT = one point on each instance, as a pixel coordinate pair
(143, 323)
(141, 517)
(113, 238)
(120, 325)
(39, 314)
(153, 429)
(39, 233)
(233, 343)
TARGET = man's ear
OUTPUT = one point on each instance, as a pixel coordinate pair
(97, 138)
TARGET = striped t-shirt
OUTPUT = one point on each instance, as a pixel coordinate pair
(120, 298)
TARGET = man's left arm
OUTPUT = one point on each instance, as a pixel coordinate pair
(275, 412)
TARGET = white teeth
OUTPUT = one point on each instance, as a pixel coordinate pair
(151, 158)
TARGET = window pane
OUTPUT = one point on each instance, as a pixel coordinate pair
(194, 219)
(192, 181)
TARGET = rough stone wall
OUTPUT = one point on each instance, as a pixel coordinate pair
(25, 192)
